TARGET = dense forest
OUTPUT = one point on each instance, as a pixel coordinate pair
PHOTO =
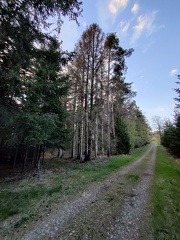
(50, 98)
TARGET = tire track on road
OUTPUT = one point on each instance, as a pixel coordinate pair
(134, 220)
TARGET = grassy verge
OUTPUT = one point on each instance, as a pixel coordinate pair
(166, 197)
(23, 197)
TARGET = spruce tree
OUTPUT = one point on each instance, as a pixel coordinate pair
(32, 82)
(123, 141)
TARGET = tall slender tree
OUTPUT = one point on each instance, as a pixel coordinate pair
(90, 50)
(116, 87)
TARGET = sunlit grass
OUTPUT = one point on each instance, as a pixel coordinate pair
(166, 197)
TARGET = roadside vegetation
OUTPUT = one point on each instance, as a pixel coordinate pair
(166, 197)
(168, 131)
(24, 199)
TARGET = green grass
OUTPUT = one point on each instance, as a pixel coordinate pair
(133, 177)
(22, 197)
(166, 197)
(90, 173)
(19, 201)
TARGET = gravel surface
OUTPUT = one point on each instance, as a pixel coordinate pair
(133, 222)
(128, 223)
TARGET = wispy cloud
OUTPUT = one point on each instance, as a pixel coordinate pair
(117, 5)
(145, 24)
(173, 72)
(108, 11)
(135, 8)
(124, 26)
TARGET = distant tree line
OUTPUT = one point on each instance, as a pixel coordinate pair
(52, 98)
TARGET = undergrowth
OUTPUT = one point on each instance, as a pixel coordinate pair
(18, 198)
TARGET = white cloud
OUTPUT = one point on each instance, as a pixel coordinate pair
(135, 8)
(117, 5)
(108, 11)
(124, 26)
(145, 24)
(173, 72)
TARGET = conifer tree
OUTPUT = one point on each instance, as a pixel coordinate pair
(123, 141)
(31, 76)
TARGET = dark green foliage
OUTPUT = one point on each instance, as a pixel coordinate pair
(171, 137)
(142, 129)
(22, 38)
(123, 141)
(178, 92)
(169, 134)
(31, 79)
(23, 41)
(118, 55)
(15, 202)
(137, 125)
(40, 119)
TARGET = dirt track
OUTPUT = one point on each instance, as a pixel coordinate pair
(117, 208)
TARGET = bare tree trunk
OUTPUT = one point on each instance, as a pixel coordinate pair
(39, 162)
(15, 158)
(108, 108)
(86, 116)
(91, 103)
(102, 134)
(82, 143)
(34, 156)
(113, 122)
(73, 152)
(96, 136)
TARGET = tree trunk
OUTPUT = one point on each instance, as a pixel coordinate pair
(96, 137)
(86, 116)
(73, 153)
(102, 134)
(108, 108)
(39, 162)
(112, 117)
(25, 158)
(15, 158)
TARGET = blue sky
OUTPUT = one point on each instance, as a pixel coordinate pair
(151, 27)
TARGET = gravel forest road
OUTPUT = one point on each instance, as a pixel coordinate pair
(117, 208)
